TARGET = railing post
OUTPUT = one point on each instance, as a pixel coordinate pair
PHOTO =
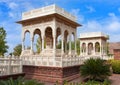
(20, 70)
(9, 66)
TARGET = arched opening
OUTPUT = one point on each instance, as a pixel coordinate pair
(37, 46)
(66, 41)
(83, 48)
(97, 47)
(48, 38)
(90, 48)
(58, 38)
(27, 40)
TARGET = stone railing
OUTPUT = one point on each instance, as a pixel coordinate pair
(52, 61)
(93, 34)
(104, 57)
(46, 11)
(61, 61)
(10, 66)
(26, 52)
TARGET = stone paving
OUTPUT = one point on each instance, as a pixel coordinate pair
(115, 79)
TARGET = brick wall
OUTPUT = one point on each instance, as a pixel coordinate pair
(116, 54)
(51, 74)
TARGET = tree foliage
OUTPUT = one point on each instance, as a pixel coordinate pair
(20, 81)
(95, 69)
(38, 45)
(3, 46)
(17, 50)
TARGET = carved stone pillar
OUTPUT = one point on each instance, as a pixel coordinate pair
(62, 44)
(80, 48)
(94, 53)
(23, 44)
(75, 44)
(54, 45)
(100, 49)
(31, 50)
(69, 44)
(86, 48)
(42, 42)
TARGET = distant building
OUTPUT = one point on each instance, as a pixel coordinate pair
(114, 49)
(93, 44)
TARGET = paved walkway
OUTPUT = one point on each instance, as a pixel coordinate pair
(115, 79)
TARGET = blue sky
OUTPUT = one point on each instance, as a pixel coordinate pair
(94, 15)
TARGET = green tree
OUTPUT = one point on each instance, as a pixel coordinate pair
(58, 46)
(38, 45)
(3, 46)
(17, 50)
(78, 46)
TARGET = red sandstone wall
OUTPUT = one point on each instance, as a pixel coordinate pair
(51, 74)
(117, 54)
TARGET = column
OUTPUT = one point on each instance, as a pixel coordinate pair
(106, 48)
(86, 48)
(80, 48)
(94, 53)
(70, 44)
(62, 44)
(42, 42)
(54, 36)
(31, 51)
(9, 66)
(23, 48)
(54, 45)
(23, 45)
(40, 45)
(75, 44)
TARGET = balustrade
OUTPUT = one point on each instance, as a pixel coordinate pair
(10, 65)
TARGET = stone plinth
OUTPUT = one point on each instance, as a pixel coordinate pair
(51, 74)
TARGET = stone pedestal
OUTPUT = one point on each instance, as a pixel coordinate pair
(51, 74)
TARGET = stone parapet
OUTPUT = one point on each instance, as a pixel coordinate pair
(52, 9)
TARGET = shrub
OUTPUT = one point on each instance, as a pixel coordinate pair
(20, 81)
(115, 66)
(95, 69)
(106, 82)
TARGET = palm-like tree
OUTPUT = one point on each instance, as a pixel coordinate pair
(95, 69)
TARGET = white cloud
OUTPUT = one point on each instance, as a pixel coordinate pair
(111, 14)
(115, 37)
(76, 12)
(93, 25)
(119, 9)
(13, 5)
(113, 26)
(90, 9)
(109, 24)
(27, 6)
(11, 14)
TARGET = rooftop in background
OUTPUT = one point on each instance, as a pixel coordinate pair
(47, 10)
(112, 46)
(93, 35)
